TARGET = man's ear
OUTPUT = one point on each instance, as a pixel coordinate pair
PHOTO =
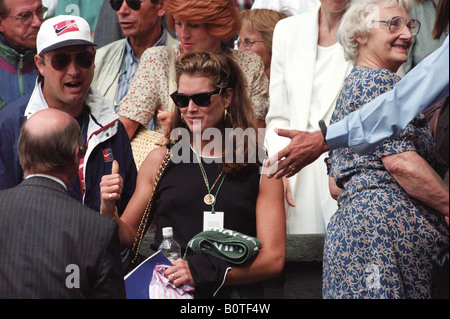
(161, 12)
(76, 155)
(39, 62)
(2, 24)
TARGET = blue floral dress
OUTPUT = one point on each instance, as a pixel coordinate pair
(380, 242)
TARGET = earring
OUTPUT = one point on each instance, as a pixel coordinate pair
(225, 115)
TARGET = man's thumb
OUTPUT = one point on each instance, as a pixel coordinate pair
(285, 133)
(115, 168)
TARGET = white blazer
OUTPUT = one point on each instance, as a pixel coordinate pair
(294, 6)
(294, 55)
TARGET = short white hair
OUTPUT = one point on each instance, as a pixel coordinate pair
(357, 20)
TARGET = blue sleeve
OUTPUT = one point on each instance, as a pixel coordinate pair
(11, 120)
(386, 116)
(8, 159)
(130, 170)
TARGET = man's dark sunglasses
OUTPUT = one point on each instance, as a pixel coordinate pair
(133, 4)
(200, 99)
(60, 61)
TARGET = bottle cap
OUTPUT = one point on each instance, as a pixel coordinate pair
(167, 232)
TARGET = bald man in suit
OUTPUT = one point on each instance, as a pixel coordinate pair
(52, 246)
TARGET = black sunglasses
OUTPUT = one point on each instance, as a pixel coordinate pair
(133, 4)
(83, 59)
(200, 99)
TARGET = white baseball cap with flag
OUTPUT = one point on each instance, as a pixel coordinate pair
(63, 31)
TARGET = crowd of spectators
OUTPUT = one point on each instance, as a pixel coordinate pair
(344, 109)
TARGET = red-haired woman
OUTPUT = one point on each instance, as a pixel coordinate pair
(201, 25)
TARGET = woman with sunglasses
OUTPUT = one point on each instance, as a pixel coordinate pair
(205, 187)
(200, 25)
(381, 240)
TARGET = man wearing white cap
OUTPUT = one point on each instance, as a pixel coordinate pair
(65, 60)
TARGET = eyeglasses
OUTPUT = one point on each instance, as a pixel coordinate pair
(247, 43)
(27, 17)
(397, 23)
(200, 99)
(133, 4)
(83, 59)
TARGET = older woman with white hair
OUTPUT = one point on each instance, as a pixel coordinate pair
(380, 242)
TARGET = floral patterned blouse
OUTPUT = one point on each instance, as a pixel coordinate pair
(149, 90)
(380, 242)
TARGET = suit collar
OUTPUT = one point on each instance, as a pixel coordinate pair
(44, 181)
(59, 181)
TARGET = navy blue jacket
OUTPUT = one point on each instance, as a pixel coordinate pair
(106, 141)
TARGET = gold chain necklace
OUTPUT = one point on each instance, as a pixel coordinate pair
(209, 198)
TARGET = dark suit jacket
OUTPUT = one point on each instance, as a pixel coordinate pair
(51, 246)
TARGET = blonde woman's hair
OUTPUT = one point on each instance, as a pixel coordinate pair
(263, 21)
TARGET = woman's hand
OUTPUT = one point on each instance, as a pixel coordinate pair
(335, 191)
(288, 193)
(179, 273)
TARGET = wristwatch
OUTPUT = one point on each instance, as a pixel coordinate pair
(323, 128)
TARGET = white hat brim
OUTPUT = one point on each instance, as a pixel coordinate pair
(67, 43)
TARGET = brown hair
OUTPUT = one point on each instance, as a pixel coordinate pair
(221, 17)
(224, 74)
(441, 22)
(4, 9)
(49, 152)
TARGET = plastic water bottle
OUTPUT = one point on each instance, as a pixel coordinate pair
(170, 248)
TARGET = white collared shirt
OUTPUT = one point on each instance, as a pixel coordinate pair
(56, 179)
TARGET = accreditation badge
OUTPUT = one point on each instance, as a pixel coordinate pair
(212, 220)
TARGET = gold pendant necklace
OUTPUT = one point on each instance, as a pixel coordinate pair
(209, 198)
